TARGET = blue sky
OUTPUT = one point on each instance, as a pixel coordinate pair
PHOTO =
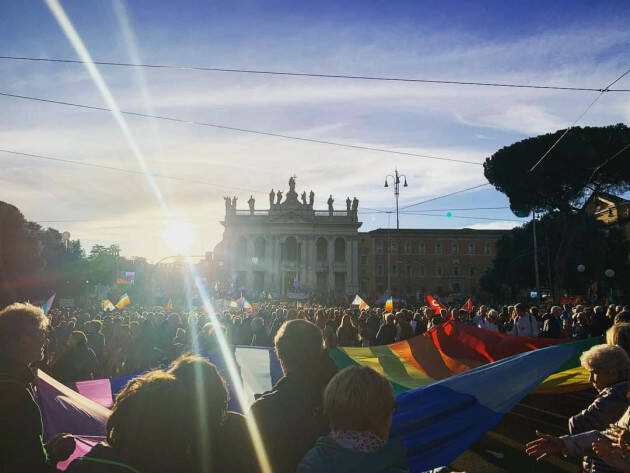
(560, 43)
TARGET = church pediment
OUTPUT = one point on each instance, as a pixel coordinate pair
(290, 216)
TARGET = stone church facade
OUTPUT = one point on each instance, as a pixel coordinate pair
(290, 247)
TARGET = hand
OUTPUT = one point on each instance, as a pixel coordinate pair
(544, 445)
(60, 448)
(619, 436)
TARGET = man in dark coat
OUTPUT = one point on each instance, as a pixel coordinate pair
(22, 339)
(387, 333)
(290, 417)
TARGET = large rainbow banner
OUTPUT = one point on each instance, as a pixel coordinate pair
(452, 384)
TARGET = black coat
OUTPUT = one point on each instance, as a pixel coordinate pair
(386, 334)
(21, 430)
(290, 416)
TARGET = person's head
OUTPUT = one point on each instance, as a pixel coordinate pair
(298, 344)
(359, 399)
(619, 334)
(622, 317)
(258, 324)
(23, 332)
(607, 364)
(556, 311)
(77, 338)
(199, 375)
(520, 308)
(151, 423)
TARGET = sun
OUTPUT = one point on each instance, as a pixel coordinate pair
(179, 236)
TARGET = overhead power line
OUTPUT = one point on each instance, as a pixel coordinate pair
(445, 195)
(590, 105)
(242, 130)
(315, 75)
(128, 171)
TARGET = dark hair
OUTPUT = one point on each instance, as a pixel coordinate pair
(150, 424)
(298, 344)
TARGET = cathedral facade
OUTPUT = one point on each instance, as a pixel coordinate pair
(290, 248)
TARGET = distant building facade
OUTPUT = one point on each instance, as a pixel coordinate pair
(611, 209)
(444, 262)
(290, 248)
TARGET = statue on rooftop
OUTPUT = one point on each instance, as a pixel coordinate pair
(292, 184)
(234, 199)
(304, 198)
(272, 195)
(278, 197)
(311, 199)
(355, 205)
(251, 202)
(330, 205)
(348, 204)
(228, 204)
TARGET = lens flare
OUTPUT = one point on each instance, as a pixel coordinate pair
(179, 236)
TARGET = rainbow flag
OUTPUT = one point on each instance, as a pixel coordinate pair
(452, 384)
(247, 307)
(389, 304)
(123, 302)
(48, 304)
(107, 305)
(169, 305)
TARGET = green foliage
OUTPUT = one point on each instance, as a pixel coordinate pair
(568, 175)
(596, 246)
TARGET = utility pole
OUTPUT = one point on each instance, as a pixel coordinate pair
(536, 259)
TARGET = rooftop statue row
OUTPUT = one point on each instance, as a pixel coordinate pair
(290, 201)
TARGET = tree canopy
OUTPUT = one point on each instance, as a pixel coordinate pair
(578, 166)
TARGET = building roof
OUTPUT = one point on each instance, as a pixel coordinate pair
(435, 231)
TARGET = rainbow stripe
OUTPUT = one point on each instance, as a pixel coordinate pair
(454, 348)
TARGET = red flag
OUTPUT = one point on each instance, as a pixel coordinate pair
(468, 306)
(434, 304)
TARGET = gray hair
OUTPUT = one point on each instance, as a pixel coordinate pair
(606, 358)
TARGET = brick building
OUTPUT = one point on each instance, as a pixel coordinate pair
(444, 262)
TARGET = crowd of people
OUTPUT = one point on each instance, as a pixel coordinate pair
(174, 417)
(86, 344)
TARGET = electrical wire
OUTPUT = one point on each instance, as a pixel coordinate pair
(601, 93)
(443, 196)
(315, 75)
(242, 130)
(128, 171)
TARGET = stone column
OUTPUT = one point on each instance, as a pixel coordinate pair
(249, 266)
(355, 265)
(331, 263)
(312, 263)
(348, 264)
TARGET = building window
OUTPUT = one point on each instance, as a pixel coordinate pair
(379, 246)
(340, 250)
(407, 247)
(421, 270)
(363, 259)
(438, 248)
(421, 248)
(290, 249)
(379, 269)
(455, 270)
(473, 271)
(395, 270)
(408, 270)
(394, 246)
(259, 248)
(321, 248)
(471, 248)
(456, 287)
(486, 248)
(454, 248)
(438, 270)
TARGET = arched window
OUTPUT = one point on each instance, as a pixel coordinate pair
(259, 248)
(290, 249)
(340, 250)
(322, 249)
(241, 248)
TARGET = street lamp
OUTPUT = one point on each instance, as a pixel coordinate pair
(396, 181)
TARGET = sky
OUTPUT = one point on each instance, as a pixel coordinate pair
(563, 43)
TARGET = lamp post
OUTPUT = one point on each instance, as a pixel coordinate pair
(396, 181)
